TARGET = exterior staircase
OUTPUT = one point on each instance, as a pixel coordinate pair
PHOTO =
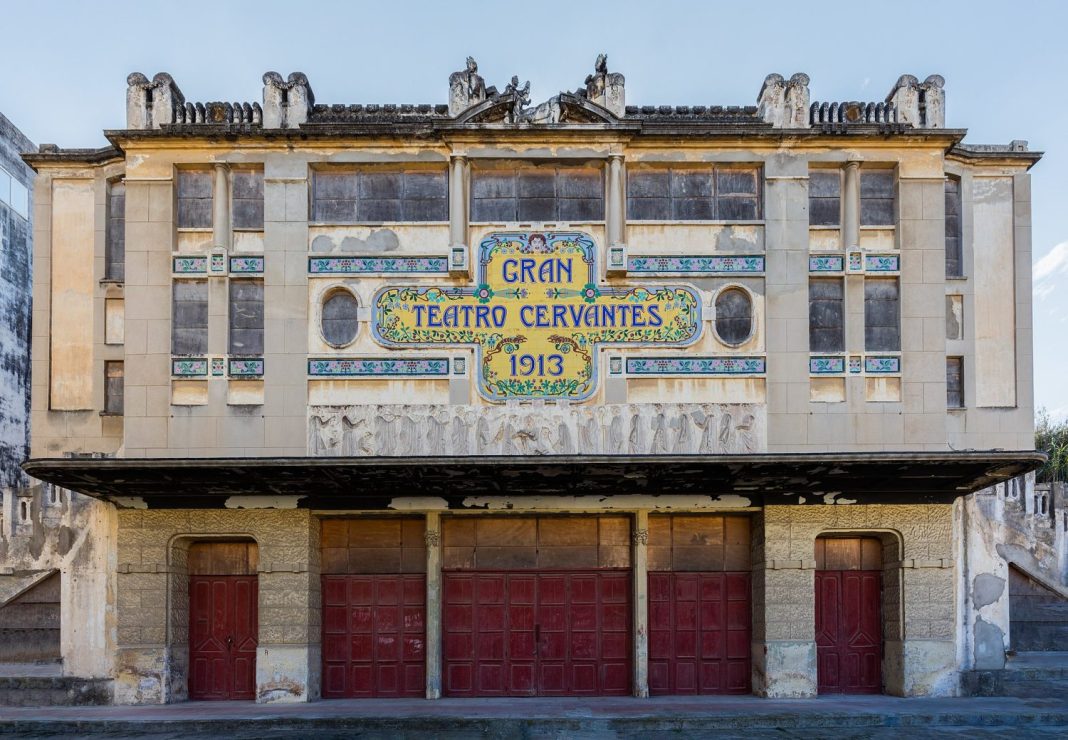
(1027, 675)
(43, 685)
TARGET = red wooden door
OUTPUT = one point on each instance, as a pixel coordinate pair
(223, 629)
(849, 633)
(374, 635)
(537, 633)
(699, 633)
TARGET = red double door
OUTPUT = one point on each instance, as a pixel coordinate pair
(537, 633)
(849, 640)
(223, 629)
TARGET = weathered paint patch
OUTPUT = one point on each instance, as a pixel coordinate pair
(628, 502)
(418, 503)
(262, 502)
(986, 589)
(129, 502)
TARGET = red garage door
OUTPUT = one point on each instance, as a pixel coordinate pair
(699, 633)
(849, 640)
(537, 634)
(374, 636)
(374, 608)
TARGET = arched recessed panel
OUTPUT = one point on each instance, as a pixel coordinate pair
(734, 316)
(339, 318)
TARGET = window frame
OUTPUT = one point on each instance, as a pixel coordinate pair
(867, 173)
(516, 171)
(327, 295)
(174, 314)
(960, 382)
(110, 260)
(178, 198)
(715, 197)
(109, 394)
(234, 173)
(840, 345)
(840, 177)
(748, 294)
(959, 235)
(231, 314)
(869, 281)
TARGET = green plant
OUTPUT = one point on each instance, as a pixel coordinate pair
(1051, 437)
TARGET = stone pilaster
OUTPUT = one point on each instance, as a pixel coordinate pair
(433, 605)
(640, 540)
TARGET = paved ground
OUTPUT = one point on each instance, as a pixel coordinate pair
(537, 719)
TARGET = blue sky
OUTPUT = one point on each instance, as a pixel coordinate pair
(65, 65)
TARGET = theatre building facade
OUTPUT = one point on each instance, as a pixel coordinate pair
(498, 399)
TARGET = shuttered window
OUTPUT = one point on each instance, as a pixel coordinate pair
(954, 246)
(189, 317)
(113, 387)
(877, 198)
(246, 317)
(826, 315)
(115, 236)
(824, 198)
(247, 193)
(882, 322)
(194, 199)
(955, 382)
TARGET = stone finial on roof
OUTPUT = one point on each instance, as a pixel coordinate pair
(782, 103)
(466, 88)
(286, 103)
(605, 88)
(152, 103)
(921, 104)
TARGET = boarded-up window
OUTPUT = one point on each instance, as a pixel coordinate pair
(954, 247)
(377, 196)
(882, 332)
(246, 317)
(722, 193)
(189, 321)
(340, 318)
(572, 194)
(115, 237)
(849, 553)
(506, 543)
(955, 382)
(824, 198)
(248, 199)
(826, 315)
(113, 387)
(699, 543)
(734, 316)
(373, 545)
(194, 199)
(877, 198)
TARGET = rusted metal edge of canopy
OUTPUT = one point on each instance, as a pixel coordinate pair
(376, 482)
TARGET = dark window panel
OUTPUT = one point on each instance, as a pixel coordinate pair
(824, 198)
(246, 317)
(339, 318)
(734, 316)
(954, 382)
(492, 185)
(581, 209)
(193, 184)
(536, 184)
(877, 184)
(649, 184)
(381, 185)
(375, 210)
(335, 211)
(493, 209)
(194, 213)
(585, 184)
(537, 209)
(649, 209)
(425, 210)
(692, 209)
(113, 387)
(954, 246)
(247, 186)
(736, 182)
(824, 211)
(826, 315)
(335, 185)
(881, 316)
(824, 184)
(737, 209)
(189, 317)
(115, 264)
(426, 185)
(691, 184)
(876, 212)
(248, 214)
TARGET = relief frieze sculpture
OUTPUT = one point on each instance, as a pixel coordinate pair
(538, 429)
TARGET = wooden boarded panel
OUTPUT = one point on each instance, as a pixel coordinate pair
(223, 559)
(529, 542)
(700, 542)
(849, 553)
(72, 289)
(368, 545)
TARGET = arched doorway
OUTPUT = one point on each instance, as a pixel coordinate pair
(849, 629)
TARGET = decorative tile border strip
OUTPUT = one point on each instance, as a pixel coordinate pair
(882, 263)
(879, 364)
(246, 265)
(822, 365)
(377, 265)
(826, 263)
(373, 367)
(189, 367)
(697, 265)
(189, 265)
(695, 365)
(245, 367)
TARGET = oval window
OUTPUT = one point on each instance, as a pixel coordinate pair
(339, 321)
(734, 316)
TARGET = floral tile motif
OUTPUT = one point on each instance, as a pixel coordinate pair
(189, 265)
(615, 365)
(882, 262)
(189, 367)
(371, 367)
(881, 364)
(697, 265)
(696, 365)
(855, 364)
(245, 367)
(826, 365)
(218, 366)
(826, 263)
(856, 262)
(377, 265)
(459, 366)
(218, 263)
(246, 265)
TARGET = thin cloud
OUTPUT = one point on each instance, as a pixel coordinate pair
(1046, 271)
